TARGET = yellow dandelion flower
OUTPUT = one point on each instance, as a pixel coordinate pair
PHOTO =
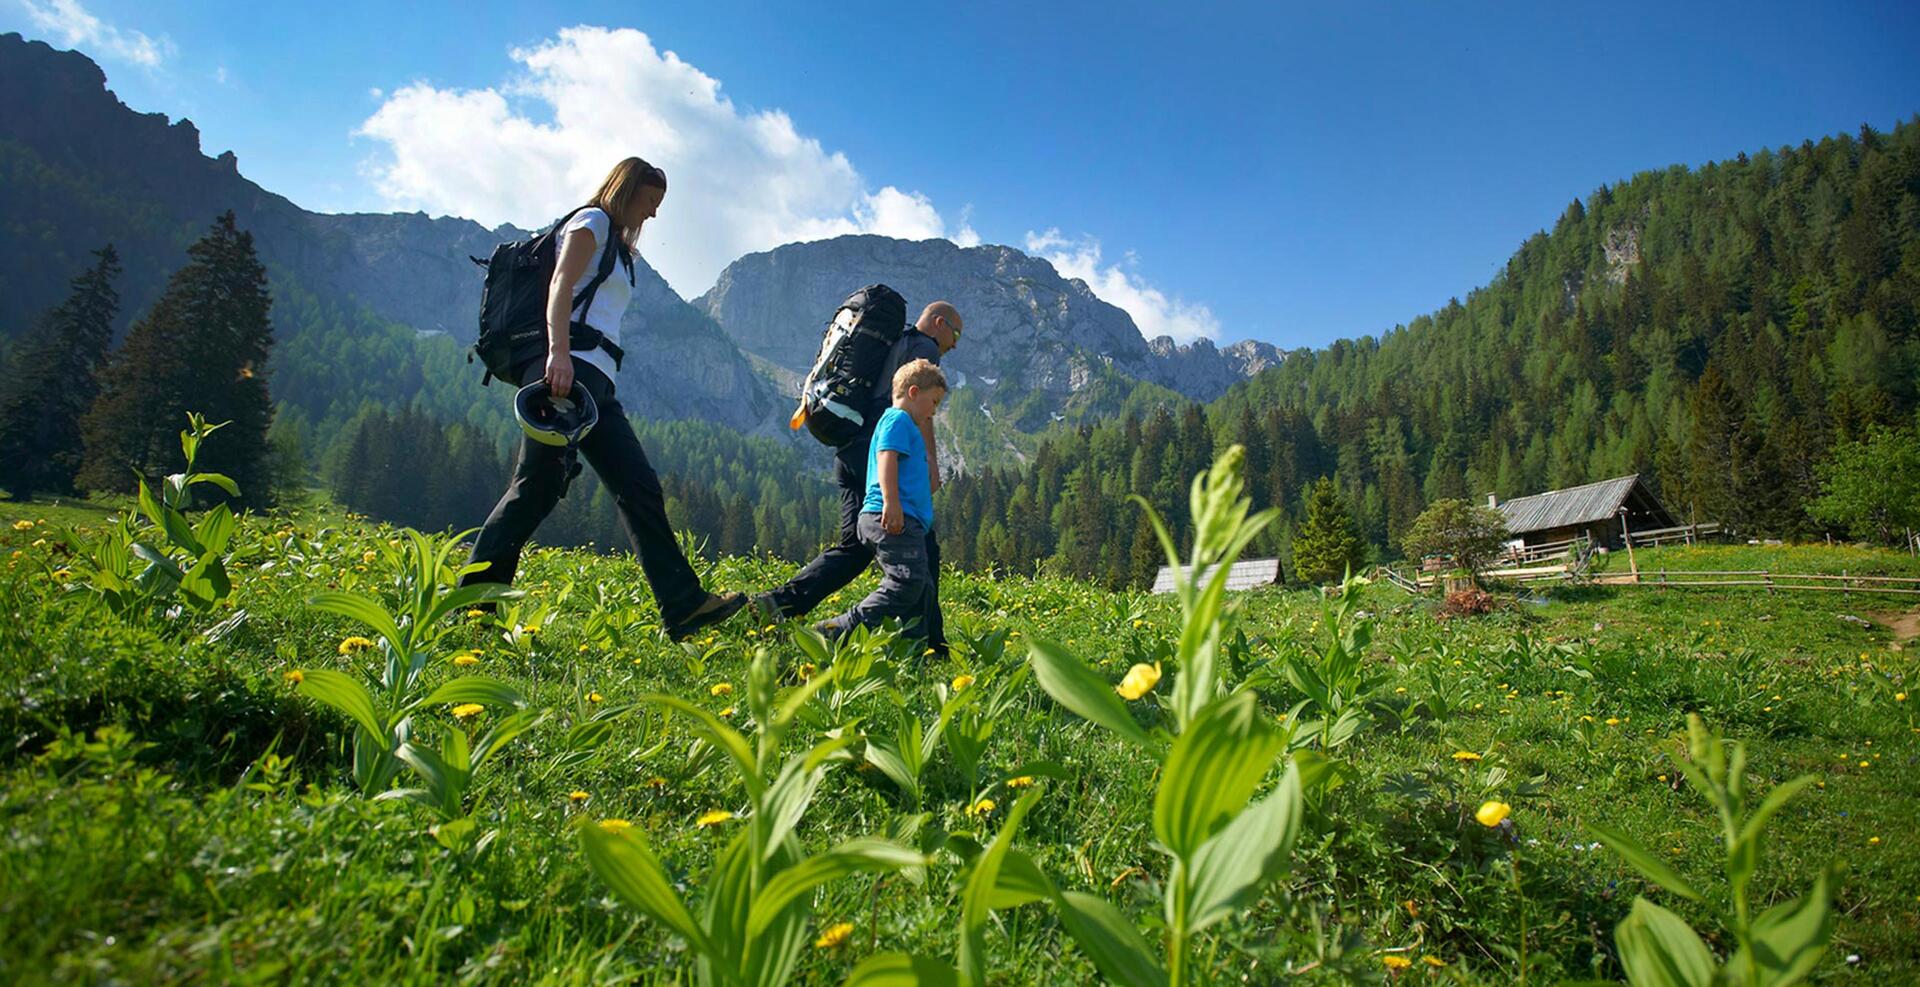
(1898, 697)
(834, 937)
(1873, 841)
(961, 682)
(369, 555)
(23, 525)
(807, 671)
(353, 644)
(295, 677)
(1140, 680)
(712, 817)
(1613, 721)
(1433, 961)
(1663, 778)
(466, 659)
(465, 710)
(1465, 756)
(476, 614)
(981, 808)
(615, 825)
(65, 575)
(577, 796)
(1021, 781)
(729, 711)
(1139, 623)
(1493, 813)
(1865, 764)
(1395, 962)
(721, 689)
(594, 697)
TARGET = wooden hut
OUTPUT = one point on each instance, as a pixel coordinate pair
(1244, 575)
(1593, 511)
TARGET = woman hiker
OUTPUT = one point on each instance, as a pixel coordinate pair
(630, 195)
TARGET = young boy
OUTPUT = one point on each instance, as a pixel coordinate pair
(898, 510)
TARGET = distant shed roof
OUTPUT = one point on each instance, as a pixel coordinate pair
(1580, 505)
(1243, 575)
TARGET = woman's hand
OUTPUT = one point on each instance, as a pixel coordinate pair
(559, 372)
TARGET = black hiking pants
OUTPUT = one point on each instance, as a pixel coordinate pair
(539, 478)
(843, 561)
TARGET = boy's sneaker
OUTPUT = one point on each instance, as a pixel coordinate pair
(765, 606)
(719, 606)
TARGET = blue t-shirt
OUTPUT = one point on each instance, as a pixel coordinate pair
(898, 433)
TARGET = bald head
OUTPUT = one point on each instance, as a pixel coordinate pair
(940, 321)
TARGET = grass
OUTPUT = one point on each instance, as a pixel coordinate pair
(215, 834)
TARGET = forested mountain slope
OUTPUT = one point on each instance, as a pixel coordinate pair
(1718, 328)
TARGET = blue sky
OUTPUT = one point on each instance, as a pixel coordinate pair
(1292, 173)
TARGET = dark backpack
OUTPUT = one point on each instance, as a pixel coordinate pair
(513, 303)
(836, 400)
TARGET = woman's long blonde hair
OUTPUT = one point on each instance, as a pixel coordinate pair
(618, 189)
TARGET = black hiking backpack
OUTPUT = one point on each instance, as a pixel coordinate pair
(836, 400)
(513, 303)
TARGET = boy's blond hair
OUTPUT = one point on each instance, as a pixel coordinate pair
(921, 373)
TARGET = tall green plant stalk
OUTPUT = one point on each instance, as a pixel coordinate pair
(1224, 850)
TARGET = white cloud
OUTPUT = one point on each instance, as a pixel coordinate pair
(1153, 311)
(527, 150)
(79, 28)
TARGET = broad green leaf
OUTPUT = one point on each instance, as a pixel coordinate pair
(1073, 685)
(447, 782)
(347, 695)
(1109, 940)
(1788, 938)
(882, 756)
(863, 855)
(1199, 646)
(1658, 949)
(717, 732)
(976, 899)
(1021, 882)
(220, 480)
(1772, 804)
(469, 596)
(361, 608)
(215, 529)
(472, 689)
(790, 706)
(785, 802)
(624, 862)
(1212, 771)
(504, 731)
(1229, 870)
(1644, 861)
(902, 970)
(729, 891)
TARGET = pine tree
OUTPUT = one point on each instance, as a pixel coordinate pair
(203, 347)
(1328, 543)
(52, 379)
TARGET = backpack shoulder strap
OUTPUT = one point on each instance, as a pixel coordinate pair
(584, 300)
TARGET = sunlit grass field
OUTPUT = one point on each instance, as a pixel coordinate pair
(174, 810)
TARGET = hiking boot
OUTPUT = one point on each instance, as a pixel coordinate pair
(766, 607)
(719, 606)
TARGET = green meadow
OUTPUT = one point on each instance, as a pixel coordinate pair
(185, 800)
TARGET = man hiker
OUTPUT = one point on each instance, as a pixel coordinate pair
(934, 335)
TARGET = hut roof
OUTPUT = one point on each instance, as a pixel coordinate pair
(1581, 505)
(1243, 575)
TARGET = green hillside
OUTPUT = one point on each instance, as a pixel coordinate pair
(1717, 329)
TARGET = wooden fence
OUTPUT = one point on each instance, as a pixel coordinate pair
(1771, 581)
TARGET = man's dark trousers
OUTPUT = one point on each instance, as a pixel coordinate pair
(846, 559)
(614, 452)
